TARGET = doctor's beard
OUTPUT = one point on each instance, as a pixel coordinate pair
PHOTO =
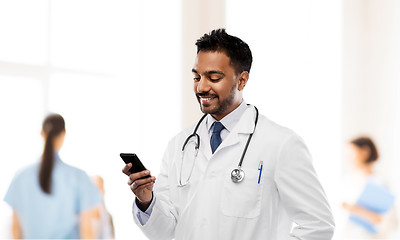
(222, 105)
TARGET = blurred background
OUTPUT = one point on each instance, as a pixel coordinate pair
(119, 72)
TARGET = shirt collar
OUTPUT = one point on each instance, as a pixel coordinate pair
(230, 120)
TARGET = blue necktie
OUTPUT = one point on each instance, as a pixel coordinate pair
(216, 140)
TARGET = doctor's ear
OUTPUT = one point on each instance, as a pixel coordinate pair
(243, 78)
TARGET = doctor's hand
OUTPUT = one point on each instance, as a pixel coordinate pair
(142, 188)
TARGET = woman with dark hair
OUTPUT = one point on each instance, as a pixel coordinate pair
(366, 154)
(52, 199)
(369, 202)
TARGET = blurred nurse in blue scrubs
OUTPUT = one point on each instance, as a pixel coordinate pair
(52, 199)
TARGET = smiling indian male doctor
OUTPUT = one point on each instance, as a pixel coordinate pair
(196, 195)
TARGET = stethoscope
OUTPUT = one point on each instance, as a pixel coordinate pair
(237, 174)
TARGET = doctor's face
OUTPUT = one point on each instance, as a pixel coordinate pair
(216, 84)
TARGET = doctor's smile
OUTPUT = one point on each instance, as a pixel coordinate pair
(206, 100)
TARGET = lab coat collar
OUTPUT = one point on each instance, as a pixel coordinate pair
(246, 122)
(244, 126)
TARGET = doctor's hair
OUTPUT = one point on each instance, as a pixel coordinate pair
(237, 50)
(53, 126)
(366, 142)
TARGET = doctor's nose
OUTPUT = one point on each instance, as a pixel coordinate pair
(202, 86)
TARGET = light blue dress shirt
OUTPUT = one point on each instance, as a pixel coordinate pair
(229, 122)
(56, 215)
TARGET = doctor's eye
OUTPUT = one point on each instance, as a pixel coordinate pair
(215, 79)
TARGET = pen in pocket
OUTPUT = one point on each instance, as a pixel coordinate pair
(260, 167)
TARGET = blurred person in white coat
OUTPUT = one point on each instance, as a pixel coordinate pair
(236, 174)
(364, 222)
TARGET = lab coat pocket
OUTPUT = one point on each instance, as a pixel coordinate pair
(242, 199)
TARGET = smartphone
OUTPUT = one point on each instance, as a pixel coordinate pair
(137, 165)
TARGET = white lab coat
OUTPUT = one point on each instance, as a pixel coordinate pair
(213, 207)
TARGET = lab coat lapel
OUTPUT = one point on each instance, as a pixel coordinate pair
(244, 126)
(205, 147)
(201, 162)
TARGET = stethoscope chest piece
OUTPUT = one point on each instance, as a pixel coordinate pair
(237, 175)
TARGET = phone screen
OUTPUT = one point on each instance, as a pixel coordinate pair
(137, 165)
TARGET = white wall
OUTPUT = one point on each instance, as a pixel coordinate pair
(371, 79)
(371, 74)
(296, 75)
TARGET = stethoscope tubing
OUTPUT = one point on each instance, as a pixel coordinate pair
(235, 178)
(248, 140)
(194, 134)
